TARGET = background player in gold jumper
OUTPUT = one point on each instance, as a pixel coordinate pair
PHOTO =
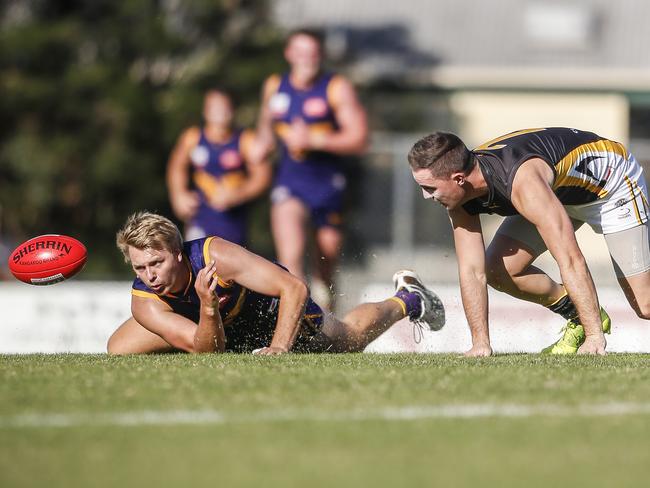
(317, 120)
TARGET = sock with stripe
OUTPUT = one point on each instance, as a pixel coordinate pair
(564, 307)
(412, 301)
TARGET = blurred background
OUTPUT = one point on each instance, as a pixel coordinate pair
(95, 93)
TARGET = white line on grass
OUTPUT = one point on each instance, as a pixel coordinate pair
(405, 413)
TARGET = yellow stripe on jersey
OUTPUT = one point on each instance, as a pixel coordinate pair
(281, 129)
(569, 162)
(146, 294)
(630, 186)
(207, 258)
(567, 181)
(246, 142)
(326, 127)
(210, 185)
(333, 90)
(237, 308)
(489, 144)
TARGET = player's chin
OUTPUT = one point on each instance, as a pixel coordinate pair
(158, 289)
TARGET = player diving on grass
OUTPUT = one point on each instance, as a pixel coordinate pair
(210, 295)
(548, 182)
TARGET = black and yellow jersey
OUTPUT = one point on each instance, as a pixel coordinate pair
(587, 167)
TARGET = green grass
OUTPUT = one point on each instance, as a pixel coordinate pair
(288, 421)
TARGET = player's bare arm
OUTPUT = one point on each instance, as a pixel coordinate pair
(184, 201)
(352, 136)
(257, 274)
(209, 335)
(470, 251)
(265, 138)
(533, 197)
(180, 332)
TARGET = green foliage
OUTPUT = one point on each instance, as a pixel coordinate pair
(94, 95)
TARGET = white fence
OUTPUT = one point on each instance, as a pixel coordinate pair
(80, 316)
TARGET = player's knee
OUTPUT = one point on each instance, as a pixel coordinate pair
(117, 347)
(497, 277)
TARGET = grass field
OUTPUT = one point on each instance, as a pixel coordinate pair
(346, 420)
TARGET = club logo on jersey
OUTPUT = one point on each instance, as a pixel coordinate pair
(624, 212)
(200, 156)
(315, 107)
(338, 181)
(230, 159)
(279, 104)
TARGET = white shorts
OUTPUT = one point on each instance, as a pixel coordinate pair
(623, 208)
(622, 216)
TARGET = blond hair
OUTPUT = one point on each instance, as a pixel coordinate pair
(146, 230)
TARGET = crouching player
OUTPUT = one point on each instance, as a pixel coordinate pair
(210, 295)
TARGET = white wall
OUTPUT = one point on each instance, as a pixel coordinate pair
(80, 316)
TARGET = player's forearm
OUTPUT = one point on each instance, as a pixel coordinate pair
(251, 189)
(580, 286)
(177, 181)
(264, 137)
(209, 335)
(343, 143)
(473, 289)
(292, 307)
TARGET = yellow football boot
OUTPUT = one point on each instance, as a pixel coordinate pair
(574, 335)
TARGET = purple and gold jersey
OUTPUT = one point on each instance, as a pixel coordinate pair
(587, 167)
(216, 166)
(249, 318)
(315, 177)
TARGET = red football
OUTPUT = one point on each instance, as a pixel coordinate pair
(48, 259)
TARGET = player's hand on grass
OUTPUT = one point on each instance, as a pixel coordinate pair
(270, 351)
(185, 204)
(594, 345)
(479, 351)
(205, 286)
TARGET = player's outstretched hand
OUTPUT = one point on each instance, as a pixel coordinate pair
(270, 351)
(593, 345)
(205, 285)
(479, 351)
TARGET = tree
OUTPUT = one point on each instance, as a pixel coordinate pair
(95, 93)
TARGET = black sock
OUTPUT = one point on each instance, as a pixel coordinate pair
(564, 307)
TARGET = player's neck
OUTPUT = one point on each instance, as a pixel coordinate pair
(477, 179)
(475, 185)
(302, 81)
(217, 133)
(184, 278)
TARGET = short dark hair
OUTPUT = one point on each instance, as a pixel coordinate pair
(442, 153)
(315, 34)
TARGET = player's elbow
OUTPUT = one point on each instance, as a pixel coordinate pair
(297, 288)
(473, 274)
(360, 143)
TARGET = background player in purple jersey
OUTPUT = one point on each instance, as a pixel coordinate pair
(317, 120)
(548, 182)
(210, 295)
(211, 174)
